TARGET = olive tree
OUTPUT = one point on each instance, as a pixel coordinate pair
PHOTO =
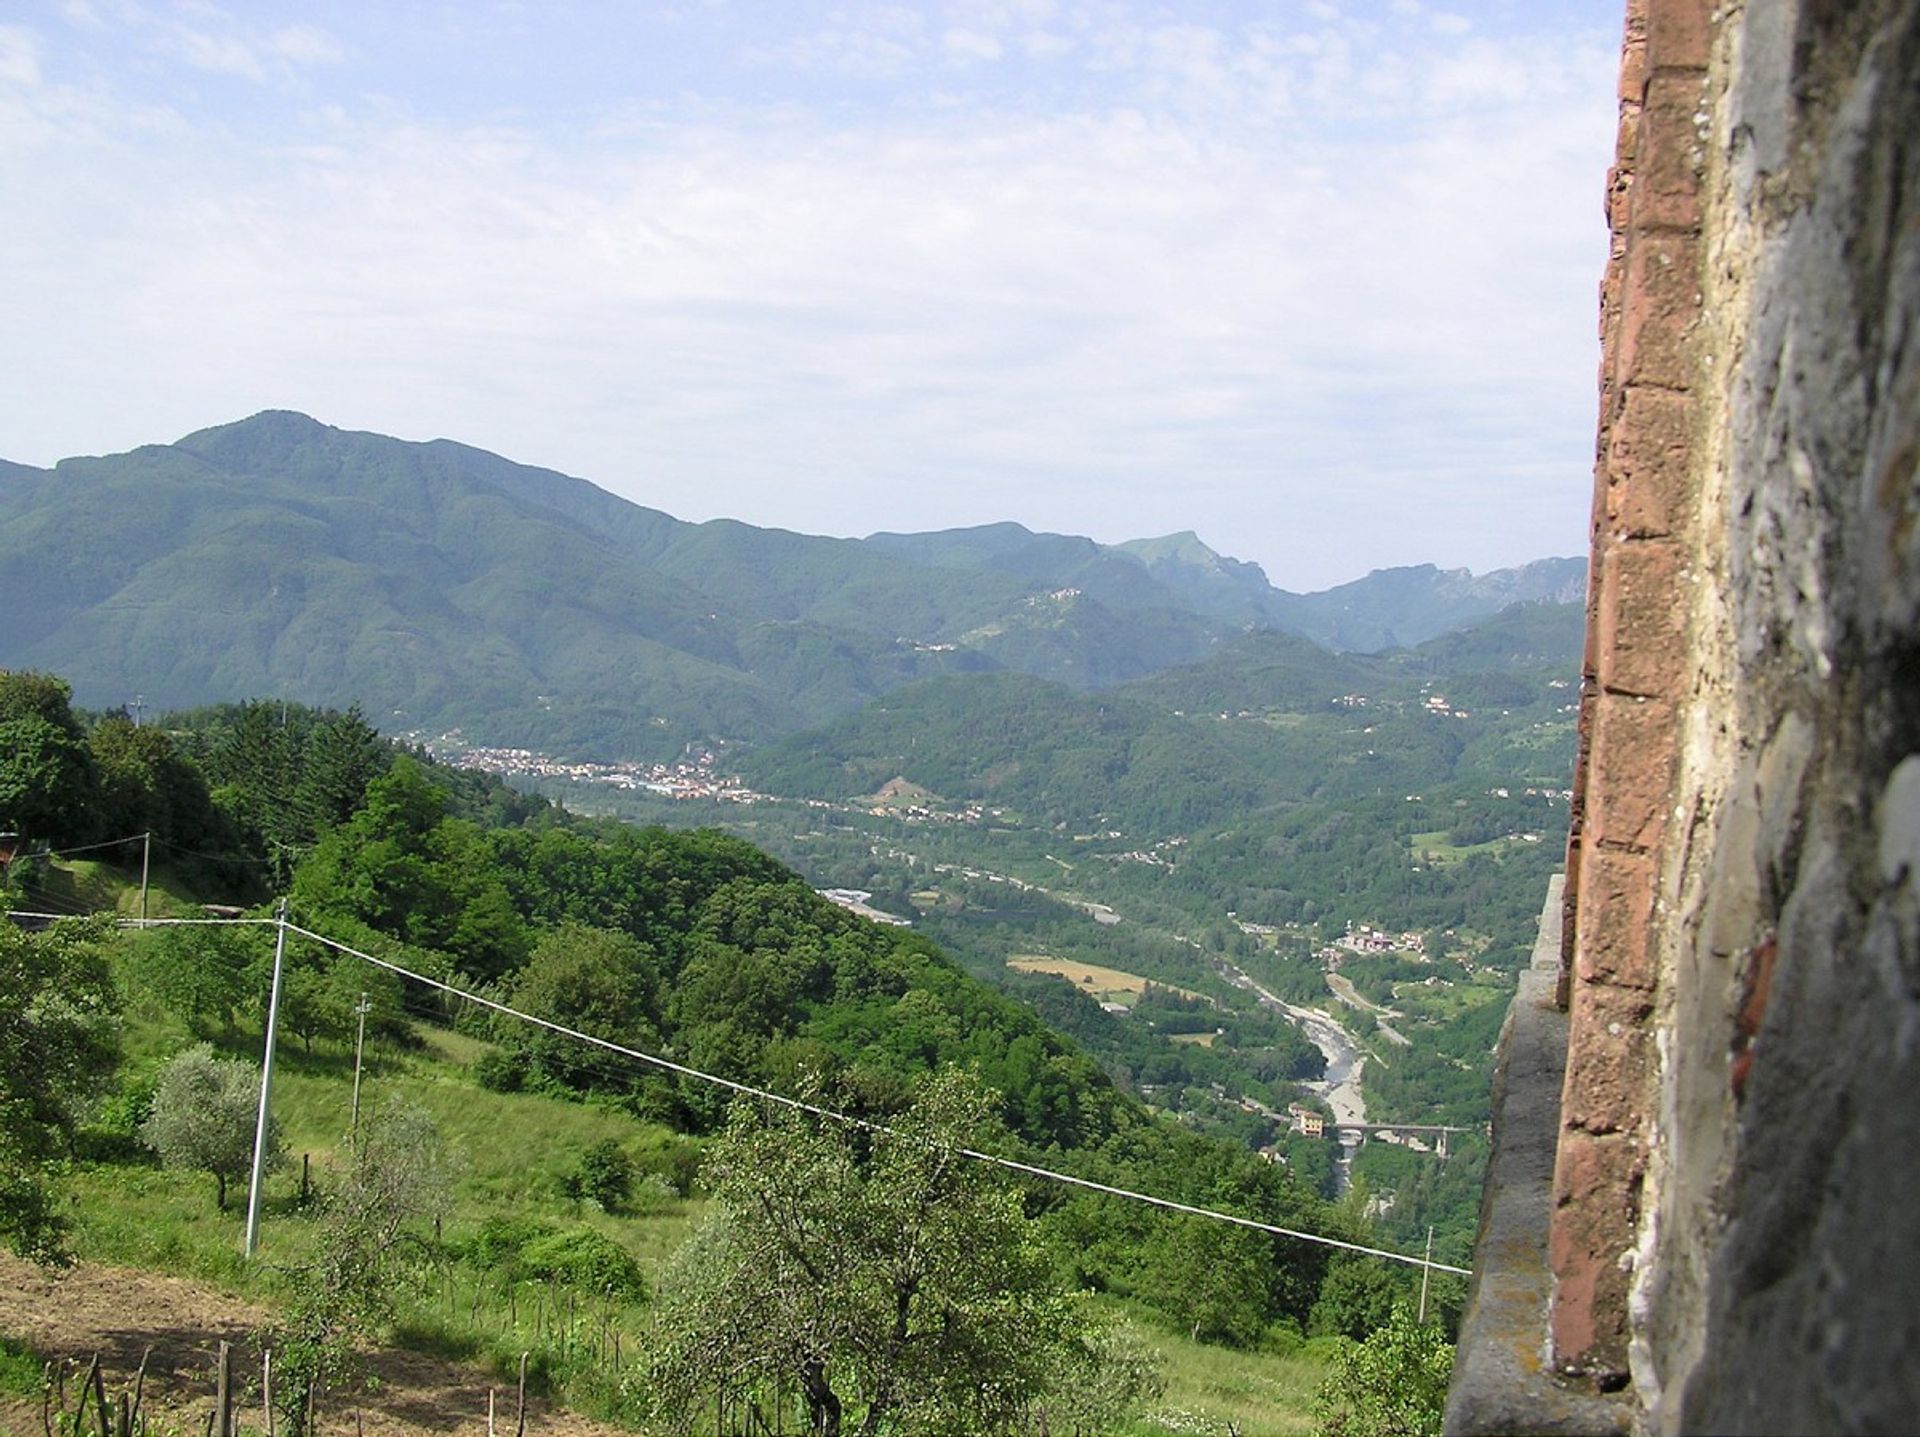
(879, 1277)
(205, 1112)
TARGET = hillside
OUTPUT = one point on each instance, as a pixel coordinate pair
(692, 945)
(443, 587)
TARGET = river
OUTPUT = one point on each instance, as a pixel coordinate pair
(1341, 1085)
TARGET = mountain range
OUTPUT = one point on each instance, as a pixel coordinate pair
(446, 587)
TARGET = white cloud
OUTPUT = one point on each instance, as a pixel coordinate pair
(219, 54)
(305, 45)
(1125, 321)
(19, 56)
(965, 45)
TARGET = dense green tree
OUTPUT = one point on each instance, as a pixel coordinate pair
(58, 1048)
(48, 787)
(1394, 1384)
(1210, 1277)
(1356, 1296)
(204, 974)
(592, 981)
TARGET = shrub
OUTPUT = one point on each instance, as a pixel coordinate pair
(583, 1259)
(604, 1175)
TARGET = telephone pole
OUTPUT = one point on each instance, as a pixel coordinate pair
(266, 1087)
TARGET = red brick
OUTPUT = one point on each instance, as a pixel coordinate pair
(1615, 940)
(1596, 1206)
(1633, 51)
(1630, 778)
(1609, 1052)
(1626, 138)
(1679, 34)
(1660, 303)
(1668, 154)
(1649, 449)
(1645, 601)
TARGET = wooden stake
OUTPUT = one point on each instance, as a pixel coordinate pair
(520, 1415)
(223, 1393)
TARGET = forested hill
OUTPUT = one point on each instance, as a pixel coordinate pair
(1267, 719)
(694, 946)
(445, 587)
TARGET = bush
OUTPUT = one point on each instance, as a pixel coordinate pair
(498, 1244)
(585, 1260)
(1392, 1385)
(604, 1176)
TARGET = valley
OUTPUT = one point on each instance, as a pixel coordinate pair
(1203, 905)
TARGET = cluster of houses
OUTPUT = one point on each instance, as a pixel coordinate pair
(693, 777)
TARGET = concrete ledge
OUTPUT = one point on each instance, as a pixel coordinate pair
(1501, 1380)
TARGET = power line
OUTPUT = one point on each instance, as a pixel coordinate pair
(88, 847)
(215, 857)
(748, 1090)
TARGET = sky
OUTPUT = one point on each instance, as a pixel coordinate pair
(1315, 279)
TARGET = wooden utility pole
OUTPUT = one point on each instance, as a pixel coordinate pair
(146, 857)
(266, 1087)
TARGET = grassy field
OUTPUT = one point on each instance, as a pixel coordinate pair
(1108, 984)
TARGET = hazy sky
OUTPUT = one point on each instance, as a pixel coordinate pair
(1314, 279)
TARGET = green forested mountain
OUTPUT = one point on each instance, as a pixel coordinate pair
(1267, 718)
(441, 586)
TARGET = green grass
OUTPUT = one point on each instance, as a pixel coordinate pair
(1433, 848)
(21, 1368)
(1261, 1394)
(516, 1148)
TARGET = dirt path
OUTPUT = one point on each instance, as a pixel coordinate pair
(120, 1313)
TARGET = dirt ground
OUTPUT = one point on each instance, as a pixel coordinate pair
(118, 1314)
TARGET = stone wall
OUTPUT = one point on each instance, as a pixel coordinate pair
(1734, 1231)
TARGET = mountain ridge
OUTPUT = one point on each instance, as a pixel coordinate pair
(449, 587)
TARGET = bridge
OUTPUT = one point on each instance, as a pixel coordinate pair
(1367, 1129)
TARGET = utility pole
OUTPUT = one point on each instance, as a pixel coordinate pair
(1425, 1273)
(146, 858)
(266, 1087)
(362, 1008)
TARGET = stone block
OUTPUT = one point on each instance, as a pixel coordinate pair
(1596, 1206)
(1609, 1055)
(1645, 601)
(1668, 155)
(1649, 448)
(1615, 940)
(1633, 51)
(1679, 34)
(1660, 303)
(1630, 773)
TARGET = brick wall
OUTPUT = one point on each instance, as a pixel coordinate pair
(1638, 671)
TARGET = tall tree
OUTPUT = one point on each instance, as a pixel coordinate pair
(59, 1043)
(48, 787)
